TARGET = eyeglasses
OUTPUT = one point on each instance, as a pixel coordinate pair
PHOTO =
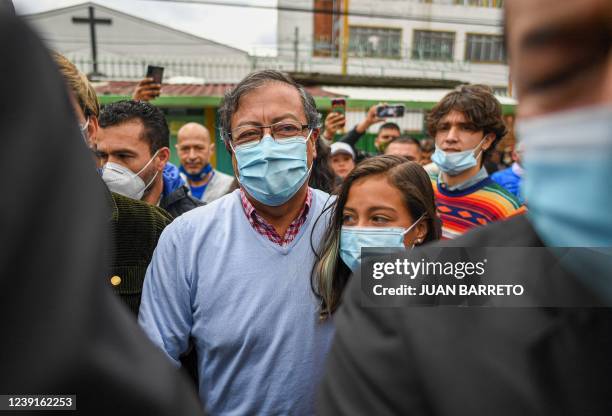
(250, 135)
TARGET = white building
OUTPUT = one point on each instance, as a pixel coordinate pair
(433, 39)
(126, 44)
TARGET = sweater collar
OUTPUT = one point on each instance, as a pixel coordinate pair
(481, 175)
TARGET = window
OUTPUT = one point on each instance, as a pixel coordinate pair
(433, 46)
(485, 48)
(372, 42)
(501, 91)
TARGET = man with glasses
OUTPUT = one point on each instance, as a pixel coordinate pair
(235, 274)
(195, 149)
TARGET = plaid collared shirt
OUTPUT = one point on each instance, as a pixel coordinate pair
(264, 228)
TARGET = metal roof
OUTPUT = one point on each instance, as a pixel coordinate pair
(399, 94)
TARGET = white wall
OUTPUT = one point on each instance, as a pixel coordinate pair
(458, 19)
(128, 38)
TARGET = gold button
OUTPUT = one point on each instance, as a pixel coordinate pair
(115, 280)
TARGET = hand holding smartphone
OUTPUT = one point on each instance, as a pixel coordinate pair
(155, 72)
(338, 105)
(386, 111)
(149, 88)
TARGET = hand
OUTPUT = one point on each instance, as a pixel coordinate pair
(371, 118)
(333, 123)
(146, 90)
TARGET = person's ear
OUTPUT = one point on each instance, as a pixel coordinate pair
(488, 140)
(420, 234)
(421, 230)
(92, 130)
(211, 149)
(163, 155)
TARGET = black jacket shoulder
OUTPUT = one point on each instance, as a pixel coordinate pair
(179, 202)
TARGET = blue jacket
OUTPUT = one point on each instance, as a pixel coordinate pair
(508, 179)
(176, 198)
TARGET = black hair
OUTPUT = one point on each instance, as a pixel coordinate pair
(155, 131)
(389, 125)
(480, 108)
(405, 140)
(322, 176)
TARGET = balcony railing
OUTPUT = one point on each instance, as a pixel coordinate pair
(230, 71)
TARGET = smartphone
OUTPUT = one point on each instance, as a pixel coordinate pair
(385, 111)
(155, 72)
(338, 105)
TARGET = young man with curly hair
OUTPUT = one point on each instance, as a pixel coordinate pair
(466, 124)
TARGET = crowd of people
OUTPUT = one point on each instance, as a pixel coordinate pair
(250, 282)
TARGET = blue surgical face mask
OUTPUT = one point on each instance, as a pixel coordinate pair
(453, 163)
(353, 239)
(567, 163)
(273, 172)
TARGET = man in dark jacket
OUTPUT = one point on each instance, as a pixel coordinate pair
(65, 332)
(552, 360)
(133, 146)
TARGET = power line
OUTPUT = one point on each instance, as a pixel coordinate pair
(423, 18)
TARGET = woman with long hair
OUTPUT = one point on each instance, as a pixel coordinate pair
(386, 201)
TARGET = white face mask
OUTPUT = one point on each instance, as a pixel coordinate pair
(123, 181)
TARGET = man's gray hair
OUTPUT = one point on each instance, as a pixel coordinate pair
(253, 81)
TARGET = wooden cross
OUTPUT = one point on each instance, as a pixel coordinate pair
(92, 21)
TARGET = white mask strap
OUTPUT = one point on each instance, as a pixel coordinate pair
(479, 145)
(85, 125)
(413, 225)
(148, 163)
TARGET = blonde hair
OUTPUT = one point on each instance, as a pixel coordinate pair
(80, 86)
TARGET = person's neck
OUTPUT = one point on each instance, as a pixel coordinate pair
(201, 182)
(153, 194)
(282, 216)
(460, 178)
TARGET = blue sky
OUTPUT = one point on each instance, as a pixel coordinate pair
(253, 30)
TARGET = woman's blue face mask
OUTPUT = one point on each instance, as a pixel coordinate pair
(353, 239)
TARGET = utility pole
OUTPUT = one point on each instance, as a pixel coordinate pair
(296, 43)
(509, 85)
(345, 35)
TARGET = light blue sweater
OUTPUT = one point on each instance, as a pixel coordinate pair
(248, 304)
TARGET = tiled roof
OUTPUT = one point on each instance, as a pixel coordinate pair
(188, 90)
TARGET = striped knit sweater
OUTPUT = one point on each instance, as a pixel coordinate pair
(479, 204)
